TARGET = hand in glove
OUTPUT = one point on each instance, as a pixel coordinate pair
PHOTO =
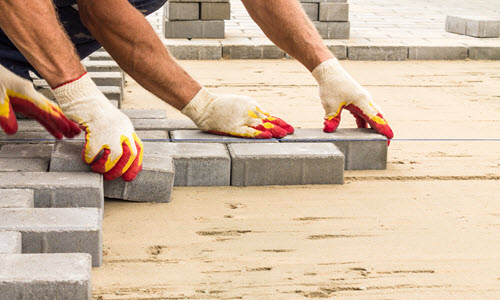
(338, 90)
(234, 115)
(18, 95)
(106, 128)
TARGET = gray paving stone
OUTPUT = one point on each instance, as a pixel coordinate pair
(484, 52)
(24, 164)
(337, 48)
(145, 113)
(145, 135)
(476, 26)
(333, 30)
(363, 149)
(56, 230)
(483, 28)
(312, 10)
(10, 242)
(215, 11)
(16, 198)
(198, 136)
(386, 52)
(101, 66)
(53, 189)
(175, 124)
(196, 164)
(26, 151)
(194, 29)
(107, 78)
(333, 12)
(182, 11)
(286, 164)
(436, 52)
(100, 55)
(250, 49)
(112, 93)
(153, 184)
(45, 276)
(149, 124)
(194, 49)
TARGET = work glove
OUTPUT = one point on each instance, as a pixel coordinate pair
(234, 115)
(106, 128)
(338, 90)
(18, 95)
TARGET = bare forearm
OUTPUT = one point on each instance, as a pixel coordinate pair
(35, 30)
(132, 42)
(285, 23)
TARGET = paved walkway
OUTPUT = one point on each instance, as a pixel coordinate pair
(418, 22)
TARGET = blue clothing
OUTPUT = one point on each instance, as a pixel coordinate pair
(85, 44)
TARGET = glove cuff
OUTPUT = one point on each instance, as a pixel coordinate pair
(198, 105)
(82, 87)
(326, 70)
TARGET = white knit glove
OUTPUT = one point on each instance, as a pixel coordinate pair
(338, 90)
(234, 115)
(106, 127)
(18, 95)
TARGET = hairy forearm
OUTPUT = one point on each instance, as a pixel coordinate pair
(132, 42)
(285, 23)
(34, 29)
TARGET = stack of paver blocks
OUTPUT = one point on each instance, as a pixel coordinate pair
(475, 26)
(331, 17)
(196, 18)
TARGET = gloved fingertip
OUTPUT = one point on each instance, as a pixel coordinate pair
(330, 125)
(136, 166)
(99, 166)
(264, 135)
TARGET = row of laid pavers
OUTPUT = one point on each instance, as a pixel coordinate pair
(244, 48)
(177, 154)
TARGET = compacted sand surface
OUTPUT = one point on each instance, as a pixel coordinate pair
(426, 227)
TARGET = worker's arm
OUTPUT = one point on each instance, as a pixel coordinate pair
(132, 42)
(35, 30)
(286, 24)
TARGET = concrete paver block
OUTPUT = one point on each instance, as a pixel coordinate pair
(56, 230)
(153, 184)
(312, 10)
(107, 78)
(363, 149)
(16, 198)
(145, 113)
(250, 49)
(196, 164)
(145, 135)
(112, 93)
(24, 164)
(333, 30)
(286, 164)
(338, 49)
(215, 11)
(45, 276)
(150, 124)
(333, 11)
(100, 55)
(198, 136)
(388, 52)
(484, 52)
(26, 138)
(476, 26)
(194, 29)
(101, 66)
(194, 49)
(436, 52)
(182, 11)
(53, 189)
(26, 151)
(10, 242)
